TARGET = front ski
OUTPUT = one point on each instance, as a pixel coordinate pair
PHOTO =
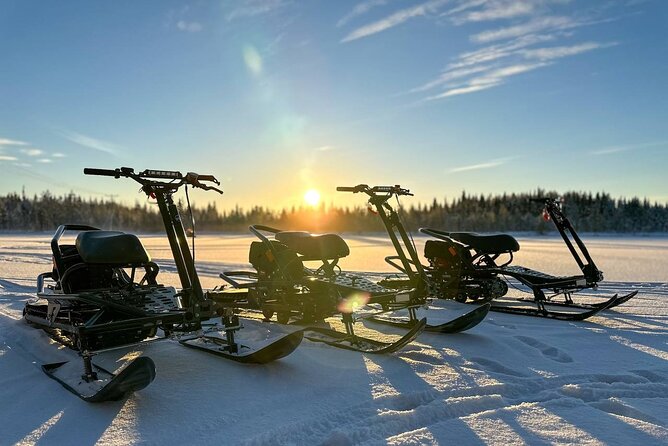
(559, 315)
(611, 302)
(101, 384)
(620, 300)
(248, 352)
(362, 344)
(459, 324)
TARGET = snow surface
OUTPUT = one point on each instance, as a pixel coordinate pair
(510, 380)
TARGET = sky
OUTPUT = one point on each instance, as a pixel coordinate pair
(277, 97)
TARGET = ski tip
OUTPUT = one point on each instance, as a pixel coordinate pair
(477, 313)
(462, 323)
(280, 348)
(609, 303)
(48, 368)
(627, 297)
(147, 366)
(107, 386)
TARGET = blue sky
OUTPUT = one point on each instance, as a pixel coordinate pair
(275, 97)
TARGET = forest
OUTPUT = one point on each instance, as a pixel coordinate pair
(588, 212)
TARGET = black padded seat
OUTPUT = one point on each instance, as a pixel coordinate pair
(314, 247)
(111, 248)
(487, 244)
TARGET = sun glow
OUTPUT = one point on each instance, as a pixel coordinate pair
(312, 197)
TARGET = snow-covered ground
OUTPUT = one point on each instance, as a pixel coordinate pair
(510, 380)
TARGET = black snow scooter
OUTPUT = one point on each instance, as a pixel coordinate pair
(470, 267)
(282, 286)
(415, 279)
(103, 294)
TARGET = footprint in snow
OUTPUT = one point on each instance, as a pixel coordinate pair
(618, 407)
(548, 351)
(499, 324)
(422, 357)
(650, 376)
(496, 367)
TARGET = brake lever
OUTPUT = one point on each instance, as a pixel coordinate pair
(193, 179)
(213, 188)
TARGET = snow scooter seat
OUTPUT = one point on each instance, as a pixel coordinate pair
(315, 247)
(487, 244)
(272, 256)
(111, 248)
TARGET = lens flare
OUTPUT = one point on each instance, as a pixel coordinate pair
(253, 60)
(353, 302)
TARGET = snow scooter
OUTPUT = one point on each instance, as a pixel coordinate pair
(414, 279)
(283, 286)
(470, 267)
(103, 294)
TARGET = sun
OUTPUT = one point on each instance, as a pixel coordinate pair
(312, 197)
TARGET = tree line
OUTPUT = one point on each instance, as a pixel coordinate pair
(507, 212)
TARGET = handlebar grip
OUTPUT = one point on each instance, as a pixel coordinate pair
(346, 189)
(102, 172)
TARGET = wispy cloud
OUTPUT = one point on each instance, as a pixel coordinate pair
(191, 27)
(487, 165)
(395, 19)
(495, 10)
(470, 88)
(538, 24)
(451, 75)
(488, 80)
(181, 19)
(360, 9)
(463, 6)
(92, 143)
(498, 51)
(626, 148)
(509, 50)
(480, 77)
(32, 152)
(11, 142)
(511, 44)
(558, 52)
(251, 8)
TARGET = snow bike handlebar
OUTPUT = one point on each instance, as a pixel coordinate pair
(375, 190)
(148, 177)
